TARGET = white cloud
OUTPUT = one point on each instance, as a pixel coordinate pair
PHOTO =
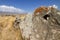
(4, 8)
(54, 6)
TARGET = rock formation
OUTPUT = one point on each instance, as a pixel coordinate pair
(45, 25)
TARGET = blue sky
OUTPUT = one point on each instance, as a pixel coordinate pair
(29, 5)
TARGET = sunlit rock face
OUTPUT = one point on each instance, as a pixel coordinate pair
(34, 27)
(26, 27)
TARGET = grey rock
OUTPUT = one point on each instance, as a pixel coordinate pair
(42, 27)
(48, 29)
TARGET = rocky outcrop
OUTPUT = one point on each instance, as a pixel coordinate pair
(44, 25)
(47, 25)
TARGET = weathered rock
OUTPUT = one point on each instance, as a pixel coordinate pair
(50, 28)
(44, 26)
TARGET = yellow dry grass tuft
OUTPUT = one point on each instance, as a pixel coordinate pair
(7, 30)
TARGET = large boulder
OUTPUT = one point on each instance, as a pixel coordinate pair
(47, 25)
(42, 25)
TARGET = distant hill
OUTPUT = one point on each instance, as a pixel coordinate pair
(10, 13)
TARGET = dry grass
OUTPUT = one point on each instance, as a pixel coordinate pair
(7, 30)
